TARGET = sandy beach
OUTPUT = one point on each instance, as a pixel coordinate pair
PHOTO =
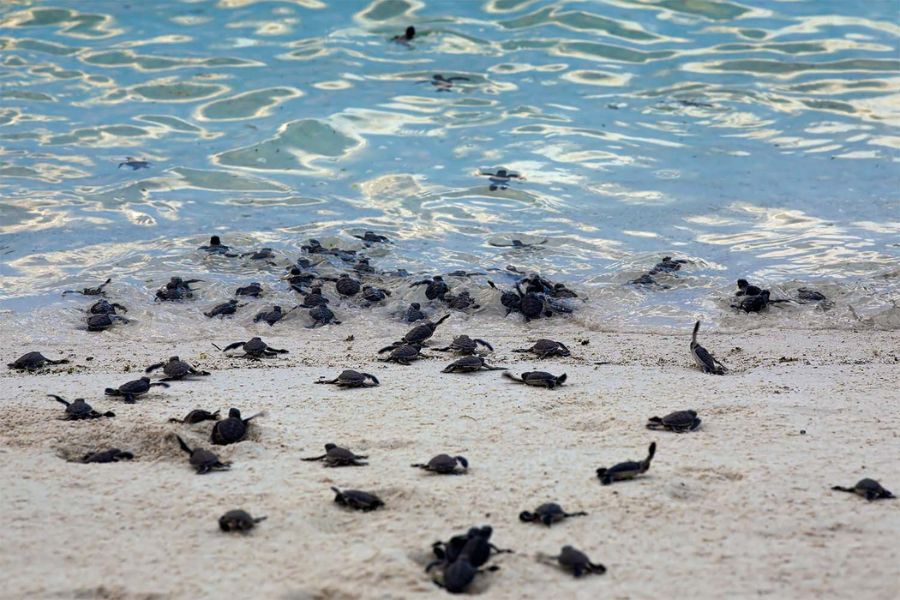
(741, 507)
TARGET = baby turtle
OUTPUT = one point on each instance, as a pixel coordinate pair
(515, 243)
(313, 297)
(238, 520)
(373, 294)
(104, 321)
(537, 378)
(370, 236)
(405, 38)
(347, 286)
(363, 266)
(129, 391)
(668, 265)
(255, 348)
(107, 456)
(176, 289)
(198, 415)
(272, 316)
(545, 348)
(501, 178)
(469, 364)
(216, 247)
(316, 247)
(418, 334)
(456, 577)
(679, 421)
(352, 379)
(33, 361)
(335, 456)
(226, 308)
(463, 344)
(461, 301)
(254, 290)
(809, 295)
(532, 305)
(79, 410)
(414, 313)
(626, 470)
(548, 514)
(704, 359)
(435, 288)
(233, 429)
(755, 303)
(474, 545)
(403, 354)
(104, 307)
(576, 561)
(444, 464)
(868, 489)
(298, 277)
(509, 299)
(745, 289)
(444, 84)
(357, 500)
(94, 291)
(202, 460)
(261, 254)
(134, 163)
(175, 369)
(321, 316)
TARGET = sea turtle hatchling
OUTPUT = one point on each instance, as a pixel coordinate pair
(548, 514)
(537, 378)
(626, 470)
(500, 178)
(374, 294)
(469, 364)
(347, 286)
(233, 429)
(868, 489)
(313, 297)
(370, 236)
(350, 378)
(357, 500)
(254, 289)
(545, 348)
(175, 369)
(403, 39)
(130, 390)
(134, 163)
(32, 361)
(216, 246)
(321, 315)
(435, 288)
(176, 289)
(404, 354)
(703, 358)
(463, 344)
(261, 254)
(198, 415)
(444, 84)
(104, 321)
(576, 561)
(94, 291)
(105, 307)
(239, 521)
(679, 421)
(335, 456)
(272, 316)
(461, 301)
(255, 348)
(226, 308)
(78, 409)
(414, 313)
(107, 456)
(474, 545)
(203, 460)
(444, 464)
(418, 334)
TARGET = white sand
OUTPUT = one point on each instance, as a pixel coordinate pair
(742, 507)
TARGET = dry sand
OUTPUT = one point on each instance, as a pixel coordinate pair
(739, 508)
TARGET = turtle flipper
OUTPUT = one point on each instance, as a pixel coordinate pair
(314, 458)
(153, 367)
(58, 399)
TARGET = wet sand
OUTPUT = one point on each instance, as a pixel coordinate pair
(741, 507)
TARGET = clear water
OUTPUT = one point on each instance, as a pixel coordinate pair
(755, 139)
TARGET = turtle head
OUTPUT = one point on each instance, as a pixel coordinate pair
(234, 413)
(330, 446)
(276, 308)
(410, 32)
(173, 359)
(255, 340)
(215, 241)
(502, 173)
(415, 305)
(742, 284)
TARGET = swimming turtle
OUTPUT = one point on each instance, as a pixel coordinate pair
(545, 348)
(174, 369)
(755, 303)
(272, 316)
(335, 456)
(679, 421)
(315, 247)
(255, 348)
(668, 265)
(357, 500)
(810, 295)
(868, 489)
(347, 286)
(104, 307)
(403, 354)
(461, 301)
(203, 460)
(226, 308)
(405, 38)
(373, 294)
(418, 334)
(548, 514)
(313, 297)
(435, 288)
(537, 378)
(469, 364)
(322, 315)
(216, 246)
(444, 84)
(130, 390)
(444, 464)
(107, 456)
(104, 321)
(254, 289)
(626, 470)
(198, 415)
(134, 163)
(500, 178)
(363, 266)
(516, 243)
(647, 279)
(414, 313)
(371, 236)
(351, 378)
(238, 520)
(233, 429)
(176, 289)
(261, 254)
(576, 561)
(704, 359)
(33, 361)
(463, 344)
(94, 291)
(79, 410)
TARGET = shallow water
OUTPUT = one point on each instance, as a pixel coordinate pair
(757, 140)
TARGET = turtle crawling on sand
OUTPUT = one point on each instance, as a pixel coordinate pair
(255, 348)
(130, 390)
(703, 358)
(351, 378)
(105, 307)
(475, 545)
(176, 289)
(868, 489)
(679, 421)
(32, 361)
(548, 514)
(226, 308)
(372, 294)
(435, 288)
(335, 456)
(463, 344)
(470, 364)
(444, 464)
(272, 316)
(626, 470)
(414, 313)
(175, 369)
(203, 460)
(254, 289)
(576, 561)
(107, 456)
(79, 410)
(347, 286)
(538, 378)
(321, 316)
(239, 521)
(217, 247)
(94, 291)
(233, 429)
(404, 354)
(545, 348)
(104, 321)
(357, 500)
(417, 335)
(198, 415)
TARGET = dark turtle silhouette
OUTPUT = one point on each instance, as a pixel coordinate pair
(456, 577)
(33, 361)
(233, 429)
(107, 456)
(463, 344)
(238, 520)
(548, 514)
(217, 247)
(335, 456)
(414, 313)
(404, 354)
(176, 289)
(313, 297)
(537, 378)
(745, 289)
(500, 178)
(756, 303)
(679, 421)
(532, 305)
(576, 561)
(516, 243)
(704, 359)
(198, 415)
(405, 38)
(203, 460)
(255, 348)
(545, 348)
(105, 307)
(668, 265)
(868, 489)
(435, 288)
(297, 278)
(129, 391)
(316, 247)
(261, 254)
(418, 334)
(510, 300)
(273, 316)
(363, 266)
(444, 84)
(351, 378)
(357, 500)
(134, 163)
(444, 464)
(469, 364)
(175, 369)
(626, 470)
(254, 289)
(223, 309)
(347, 286)
(371, 236)
(91, 291)
(321, 316)
(647, 279)
(79, 410)
(104, 321)
(461, 301)
(373, 294)
(474, 545)
(810, 295)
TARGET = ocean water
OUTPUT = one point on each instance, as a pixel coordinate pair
(756, 139)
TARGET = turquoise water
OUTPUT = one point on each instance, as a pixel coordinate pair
(755, 139)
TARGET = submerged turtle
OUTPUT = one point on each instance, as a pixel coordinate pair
(316, 247)
(351, 378)
(374, 294)
(216, 247)
(668, 265)
(371, 236)
(868, 489)
(176, 289)
(261, 254)
(104, 307)
(347, 286)
(33, 361)
(810, 295)
(469, 364)
(679, 421)
(79, 410)
(226, 308)
(238, 520)
(321, 316)
(548, 514)
(444, 464)
(576, 561)
(203, 460)
(134, 163)
(363, 266)
(174, 369)
(233, 429)
(130, 390)
(704, 359)
(94, 291)
(444, 84)
(254, 289)
(626, 470)
(538, 378)
(335, 456)
(198, 415)
(102, 322)
(414, 313)
(435, 288)
(463, 344)
(255, 348)
(403, 354)
(357, 500)
(272, 316)
(501, 178)
(405, 38)
(107, 456)
(545, 348)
